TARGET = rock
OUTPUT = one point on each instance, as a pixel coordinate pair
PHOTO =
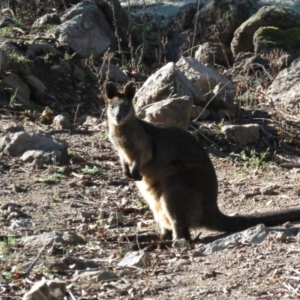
(35, 50)
(267, 39)
(37, 87)
(85, 30)
(199, 112)
(214, 53)
(135, 259)
(173, 111)
(183, 20)
(78, 74)
(242, 134)
(115, 218)
(276, 16)
(113, 73)
(63, 68)
(79, 263)
(285, 89)
(180, 244)
(47, 238)
(249, 62)
(4, 62)
(116, 17)
(179, 45)
(6, 22)
(89, 121)
(22, 223)
(206, 78)
(181, 262)
(167, 82)
(96, 276)
(47, 19)
(47, 290)
(15, 144)
(14, 128)
(255, 235)
(61, 122)
(9, 47)
(218, 20)
(18, 87)
(42, 156)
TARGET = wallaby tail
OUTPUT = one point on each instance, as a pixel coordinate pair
(226, 223)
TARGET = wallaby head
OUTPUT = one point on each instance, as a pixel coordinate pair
(120, 109)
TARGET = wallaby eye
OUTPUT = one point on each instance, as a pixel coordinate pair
(112, 106)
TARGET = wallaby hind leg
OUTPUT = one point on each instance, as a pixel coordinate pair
(166, 234)
(180, 231)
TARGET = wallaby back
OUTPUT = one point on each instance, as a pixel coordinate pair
(176, 175)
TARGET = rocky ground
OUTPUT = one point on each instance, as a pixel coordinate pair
(83, 197)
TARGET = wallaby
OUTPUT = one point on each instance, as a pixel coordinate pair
(173, 173)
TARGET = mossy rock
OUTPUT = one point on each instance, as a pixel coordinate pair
(267, 38)
(274, 16)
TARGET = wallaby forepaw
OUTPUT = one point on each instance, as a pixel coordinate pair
(136, 176)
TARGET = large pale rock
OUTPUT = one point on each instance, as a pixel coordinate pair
(218, 20)
(47, 290)
(285, 89)
(206, 78)
(167, 82)
(173, 111)
(85, 30)
(17, 86)
(15, 144)
(276, 16)
(242, 134)
(4, 61)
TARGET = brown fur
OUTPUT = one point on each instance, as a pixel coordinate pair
(173, 173)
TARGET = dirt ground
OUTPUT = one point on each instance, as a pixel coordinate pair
(93, 183)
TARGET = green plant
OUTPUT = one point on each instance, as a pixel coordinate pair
(68, 56)
(101, 136)
(140, 204)
(90, 170)
(20, 58)
(252, 159)
(13, 98)
(6, 32)
(56, 196)
(52, 179)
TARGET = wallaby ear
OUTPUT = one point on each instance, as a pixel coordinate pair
(129, 90)
(111, 90)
